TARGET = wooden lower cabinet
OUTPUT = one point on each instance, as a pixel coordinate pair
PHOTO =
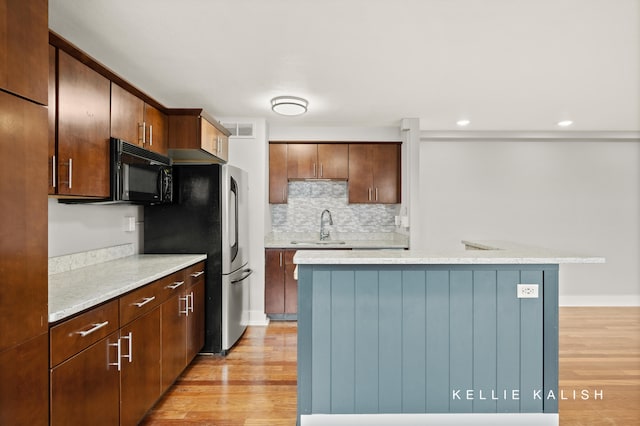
(140, 385)
(281, 289)
(110, 364)
(24, 383)
(85, 389)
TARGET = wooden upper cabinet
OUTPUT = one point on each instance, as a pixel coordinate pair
(137, 122)
(317, 161)
(333, 161)
(278, 182)
(194, 137)
(127, 115)
(156, 129)
(302, 160)
(374, 173)
(24, 35)
(83, 129)
(53, 55)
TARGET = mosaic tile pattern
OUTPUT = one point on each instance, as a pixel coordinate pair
(307, 200)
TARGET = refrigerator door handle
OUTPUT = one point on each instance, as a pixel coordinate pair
(246, 274)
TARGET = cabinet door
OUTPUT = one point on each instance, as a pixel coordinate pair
(386, 173)
(23, 232)
(83, 129)
(24, 39)
(333, 160)
(85, 388)
(360, 173)
(302, 160)
(274, 281)
(140, 376)
(53, 54)
(278, 182)
(24, 384)
(157, 129)
(173, 338)
(127, 115)
(195, 319)
(290, 284)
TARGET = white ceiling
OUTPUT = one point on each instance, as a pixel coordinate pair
(518, 65)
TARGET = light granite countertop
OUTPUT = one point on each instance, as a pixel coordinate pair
(78, 289)
(344, 240)
(471, 252)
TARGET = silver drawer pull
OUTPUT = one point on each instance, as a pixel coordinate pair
(197, 274)
(175, 285)
(95, 327)
(144, 301)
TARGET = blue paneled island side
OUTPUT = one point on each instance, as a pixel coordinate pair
(414, 337)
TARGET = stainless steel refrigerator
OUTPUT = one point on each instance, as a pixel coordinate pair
(209, 215)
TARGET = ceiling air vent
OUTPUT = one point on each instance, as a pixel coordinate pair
(240, 130)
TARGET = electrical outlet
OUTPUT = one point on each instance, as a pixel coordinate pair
(527, 291)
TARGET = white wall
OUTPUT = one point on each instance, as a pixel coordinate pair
(250, 154)
(76, 228)
(575, 196)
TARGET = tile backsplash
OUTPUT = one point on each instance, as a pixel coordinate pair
(307, 200)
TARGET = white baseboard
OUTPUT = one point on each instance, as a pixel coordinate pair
(600, 300)
(449, 419)
(258, 318)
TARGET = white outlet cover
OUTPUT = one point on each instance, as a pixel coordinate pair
(527, 291)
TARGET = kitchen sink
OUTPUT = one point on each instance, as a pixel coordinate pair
(316, 242)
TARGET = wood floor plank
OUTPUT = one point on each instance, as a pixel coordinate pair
(255, 385)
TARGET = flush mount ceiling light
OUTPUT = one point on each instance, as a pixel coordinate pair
(565, 123)
(463, 123)
(289, 105)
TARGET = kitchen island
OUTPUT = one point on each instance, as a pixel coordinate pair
(421, 337)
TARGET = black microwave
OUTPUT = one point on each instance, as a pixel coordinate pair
(138, 175)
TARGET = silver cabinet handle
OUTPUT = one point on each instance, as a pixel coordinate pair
(93, 329)
(376, 194)
(144, 133)
(281, 259)
(321, 170)
(151, 134)
(70, 172)
(141, 133)
(118, 357)
(184, 299)
(197, 274)
(369, 194)
(314, 169)
(189, 303)
(175, 285)
(53, 172)
(130, 339)
(144, 301)
(284, 196)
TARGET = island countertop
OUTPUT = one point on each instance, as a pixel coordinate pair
(73, 291)
(476, 252)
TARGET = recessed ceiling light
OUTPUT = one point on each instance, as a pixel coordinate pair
(463, 123)
(565, 123)
(289, 105)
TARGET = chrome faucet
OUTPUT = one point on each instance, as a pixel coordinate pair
(324, 233)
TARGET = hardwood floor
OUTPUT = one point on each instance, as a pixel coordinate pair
(256, 383)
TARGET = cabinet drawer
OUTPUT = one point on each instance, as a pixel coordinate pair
(142, 300)
(75, 334)
(195, 274)
(172, 284)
